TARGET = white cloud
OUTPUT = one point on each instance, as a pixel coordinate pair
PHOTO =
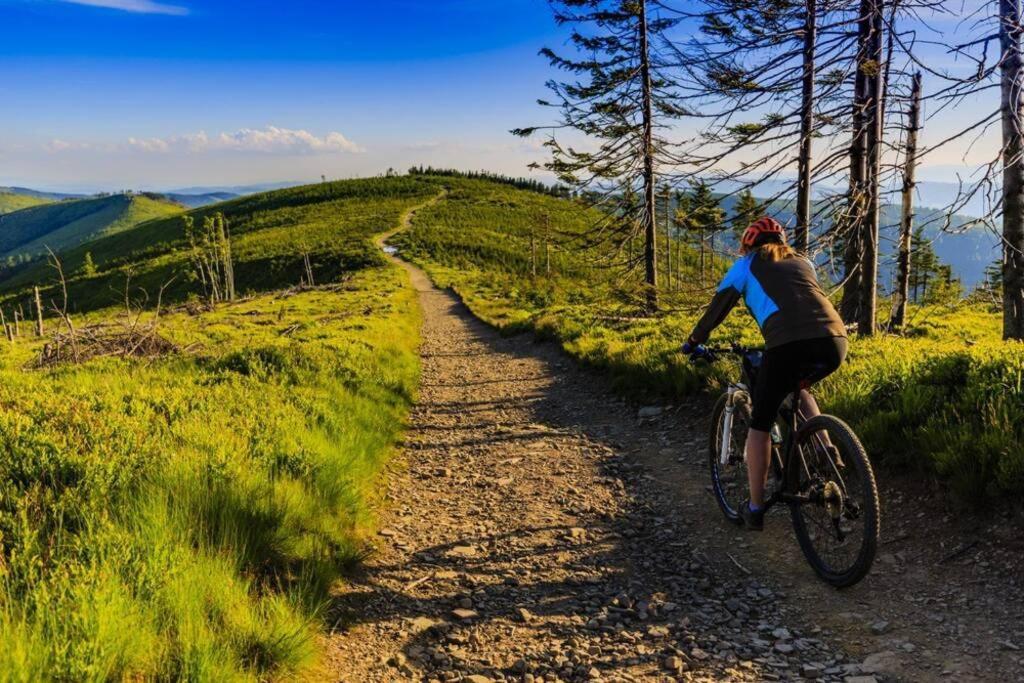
(269, 140)
(56, 146)
(149, 144)
(137, 6)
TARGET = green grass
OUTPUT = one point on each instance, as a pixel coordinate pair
(185, 517)
(946, 400)
(270, 232)
(62, 225)
(11, 202)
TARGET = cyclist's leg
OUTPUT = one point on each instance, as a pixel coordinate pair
(776, 379)
(821, 359)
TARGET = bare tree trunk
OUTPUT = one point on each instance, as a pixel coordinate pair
(547, 244)
(701, 237)
(856, 211)
(668, 240)
(650, 232)
(39, 312)
(1012, 70)
(873, 123)
(902, 288)
(803, 202)
(533, 251)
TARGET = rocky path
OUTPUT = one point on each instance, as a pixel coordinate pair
(539, 529)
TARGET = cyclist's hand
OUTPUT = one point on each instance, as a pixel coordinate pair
(696, 351)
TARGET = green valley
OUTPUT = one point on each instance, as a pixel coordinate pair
(28, 233)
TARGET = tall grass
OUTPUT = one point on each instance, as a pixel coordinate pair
(185, 518)
(945, 400)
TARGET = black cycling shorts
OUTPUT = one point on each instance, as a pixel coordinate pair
(786, 367)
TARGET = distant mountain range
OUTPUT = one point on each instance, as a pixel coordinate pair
(969, 250)
(60, 225)
(236, 190)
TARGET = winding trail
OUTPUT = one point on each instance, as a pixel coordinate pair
(538, 530)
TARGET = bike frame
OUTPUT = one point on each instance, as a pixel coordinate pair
(792, 459)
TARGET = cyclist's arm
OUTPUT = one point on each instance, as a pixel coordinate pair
(728, 295)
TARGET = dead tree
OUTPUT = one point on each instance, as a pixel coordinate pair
(39, 311)
(1011, 81)
(902, 288)
(803, 202)
(874, 119)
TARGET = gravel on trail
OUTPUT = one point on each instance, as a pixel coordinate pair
(539, 528)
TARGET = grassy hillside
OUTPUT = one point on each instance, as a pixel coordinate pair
(11, 202)
(183, 517)
(270, 232)
(947, 399)
(66, 224)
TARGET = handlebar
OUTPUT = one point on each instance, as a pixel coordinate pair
(711, 353)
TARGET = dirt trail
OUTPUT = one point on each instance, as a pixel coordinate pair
(538, 530)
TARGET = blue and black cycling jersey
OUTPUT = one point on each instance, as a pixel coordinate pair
(783, 296)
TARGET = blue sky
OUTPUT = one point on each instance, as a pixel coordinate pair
(163, 93)
(400, 81)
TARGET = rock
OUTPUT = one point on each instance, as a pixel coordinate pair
(879, 662)
(673, 663)
(524, 615)
(443, 472)
(880, 627)
(593, 673)
(860, 679)
(782, 634)
(422, 624)
(699, 654)
(463, 551)
(466, 603)
(647, 412)
(464, 614)
(784, 648)
(812, 671)
(477, 678)
(387, 533)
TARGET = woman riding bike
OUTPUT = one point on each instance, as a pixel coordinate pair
(805, 339)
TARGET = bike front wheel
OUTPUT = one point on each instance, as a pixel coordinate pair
(837, 516)
(729, 478)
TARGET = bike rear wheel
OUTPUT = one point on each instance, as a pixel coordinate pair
(838, 525)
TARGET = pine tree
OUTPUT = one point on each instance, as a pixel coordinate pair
(746, 211)
(622, 94)
(88, 265)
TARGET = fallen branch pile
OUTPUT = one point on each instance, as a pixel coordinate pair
(105, 340)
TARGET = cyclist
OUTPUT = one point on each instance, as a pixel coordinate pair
(805, 339)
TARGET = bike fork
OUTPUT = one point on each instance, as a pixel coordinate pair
(730, 409)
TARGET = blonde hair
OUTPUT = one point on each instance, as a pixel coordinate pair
(772, 251)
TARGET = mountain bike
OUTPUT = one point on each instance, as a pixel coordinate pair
(818, 468)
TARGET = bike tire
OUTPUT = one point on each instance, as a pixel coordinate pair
(856, 461)
(719, 477)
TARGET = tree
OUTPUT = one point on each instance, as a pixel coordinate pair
(88, 265)
(746, 211)
(902, 293)
(622, 95)
(1011, 82)
(924, 264)
(804, 174)
(703, 217)
(992, 285)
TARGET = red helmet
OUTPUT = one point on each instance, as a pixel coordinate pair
(762, 226)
